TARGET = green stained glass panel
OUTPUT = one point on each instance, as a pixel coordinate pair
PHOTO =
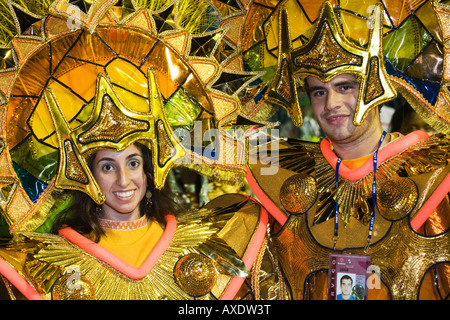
(181, 111)
(403, 45)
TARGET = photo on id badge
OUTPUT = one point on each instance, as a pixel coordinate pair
(347, 277)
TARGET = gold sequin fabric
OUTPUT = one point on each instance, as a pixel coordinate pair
(72, 286)
(197, 264)
(396, 198)
(195, 274)
(327, 54)
(402, 255)
(298, 193)
(422, 157)
(112, 125)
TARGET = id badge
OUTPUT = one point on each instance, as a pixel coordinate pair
(347, 277)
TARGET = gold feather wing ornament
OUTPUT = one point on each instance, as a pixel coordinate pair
(53, 259)
(77, 76)
(199, 262)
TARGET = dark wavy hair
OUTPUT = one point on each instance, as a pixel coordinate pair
(82, 214)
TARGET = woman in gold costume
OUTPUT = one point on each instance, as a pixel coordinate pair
(136, 234)
(128, 178)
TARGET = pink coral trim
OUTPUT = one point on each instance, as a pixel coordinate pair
(138, 273)
(250, 255)
(384, 154)
(171, 225)
(117, 263)
(16, 279)
(431, 204)
(265, 200)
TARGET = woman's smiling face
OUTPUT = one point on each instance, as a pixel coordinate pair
(122, 180)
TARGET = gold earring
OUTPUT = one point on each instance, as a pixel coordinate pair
(148, 198)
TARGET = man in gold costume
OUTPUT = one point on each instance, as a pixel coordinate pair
(360, 191)
(91, 93)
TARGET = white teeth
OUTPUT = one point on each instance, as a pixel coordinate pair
(124, 194)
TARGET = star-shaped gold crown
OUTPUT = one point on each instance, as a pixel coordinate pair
(327, 54)
(111, 126)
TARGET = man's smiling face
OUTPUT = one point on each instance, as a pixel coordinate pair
(334, 105)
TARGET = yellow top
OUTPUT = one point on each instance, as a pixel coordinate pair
(358, 162)
(131, 241)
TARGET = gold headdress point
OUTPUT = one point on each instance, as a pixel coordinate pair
(73, 172)
(328, 54)
(283, 90)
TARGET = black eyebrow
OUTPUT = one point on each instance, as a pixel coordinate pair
(311, 89)
(134, 155)
(341, 83)
(346, 82)
(129, 157)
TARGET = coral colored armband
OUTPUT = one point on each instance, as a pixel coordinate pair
(14, 277)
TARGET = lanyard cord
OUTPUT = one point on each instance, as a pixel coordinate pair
(374, 197)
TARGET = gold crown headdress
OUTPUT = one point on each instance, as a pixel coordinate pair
(414, 42)
(328, 54)
(87, 75)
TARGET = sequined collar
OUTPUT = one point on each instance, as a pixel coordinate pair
(124, 225)
(412, 154)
